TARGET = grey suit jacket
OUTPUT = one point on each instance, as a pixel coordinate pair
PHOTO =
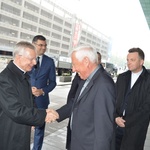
(93, 114)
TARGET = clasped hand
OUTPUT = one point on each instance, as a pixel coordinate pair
(36, 92)
(120, 121)
(51, 116)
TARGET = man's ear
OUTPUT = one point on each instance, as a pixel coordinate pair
(86, 61)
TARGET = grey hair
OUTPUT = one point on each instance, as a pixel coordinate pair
(86, 51)
(20, 48)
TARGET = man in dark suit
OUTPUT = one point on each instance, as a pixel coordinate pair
(91, 111)
(133, 103)
(17, 113)
(43, 81)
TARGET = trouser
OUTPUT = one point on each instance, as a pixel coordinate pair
(69, 148)
(38, 137)
(119, 136)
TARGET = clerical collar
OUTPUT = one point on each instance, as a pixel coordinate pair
(19, 67)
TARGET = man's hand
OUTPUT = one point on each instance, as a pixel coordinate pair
(51, 116)
(37, 92)
(120, 121)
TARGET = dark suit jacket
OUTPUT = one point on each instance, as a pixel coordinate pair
(93, 114)
(71, 96)
(74, 87)
(45, 79)
(17, 114)
(137, 111)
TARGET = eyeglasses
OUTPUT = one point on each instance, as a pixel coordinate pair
(41, 45)
(29, 58)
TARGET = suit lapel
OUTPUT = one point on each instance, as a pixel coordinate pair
(79, 88)
(90, 84)
(85, 90)
(128, 81)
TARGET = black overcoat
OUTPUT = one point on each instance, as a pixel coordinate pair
(137, 111)
(17, 113)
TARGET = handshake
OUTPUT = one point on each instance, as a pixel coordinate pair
(51, 116)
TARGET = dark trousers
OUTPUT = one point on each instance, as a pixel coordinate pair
(38, 137)
(69, 148)
(119, 136)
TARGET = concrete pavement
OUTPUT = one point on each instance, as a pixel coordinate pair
(55, 133)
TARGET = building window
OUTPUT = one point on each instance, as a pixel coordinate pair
(58, 20)
(54, 51)
(89, 35)
(30, 17)
(67, 32)
(45, 32)
(83, 32)
(89, 41)
(94, 38)
(93, 43)
(31, 7)
(56, 44)
(82, 38)
(57, 28)
(29, 27)
(98, 44)
(45, 23)
(56, 36)
(66, 39)
(8, 32)
(68, 25)
(46, 14)
(99, 40)
(8, 20)
(19, 2)
(64, 53)
(6, 44)
(26, 36)
(64, 46)
(10, 9)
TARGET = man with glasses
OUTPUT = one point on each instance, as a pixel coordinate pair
(43, 81)
(17, 111)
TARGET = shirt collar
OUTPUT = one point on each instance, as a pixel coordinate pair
(137, 73)
(92, 74)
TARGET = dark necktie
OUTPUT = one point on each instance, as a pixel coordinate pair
(37, 63)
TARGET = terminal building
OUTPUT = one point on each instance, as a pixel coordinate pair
(23, 19)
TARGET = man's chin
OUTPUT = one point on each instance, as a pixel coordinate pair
(29, 69)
